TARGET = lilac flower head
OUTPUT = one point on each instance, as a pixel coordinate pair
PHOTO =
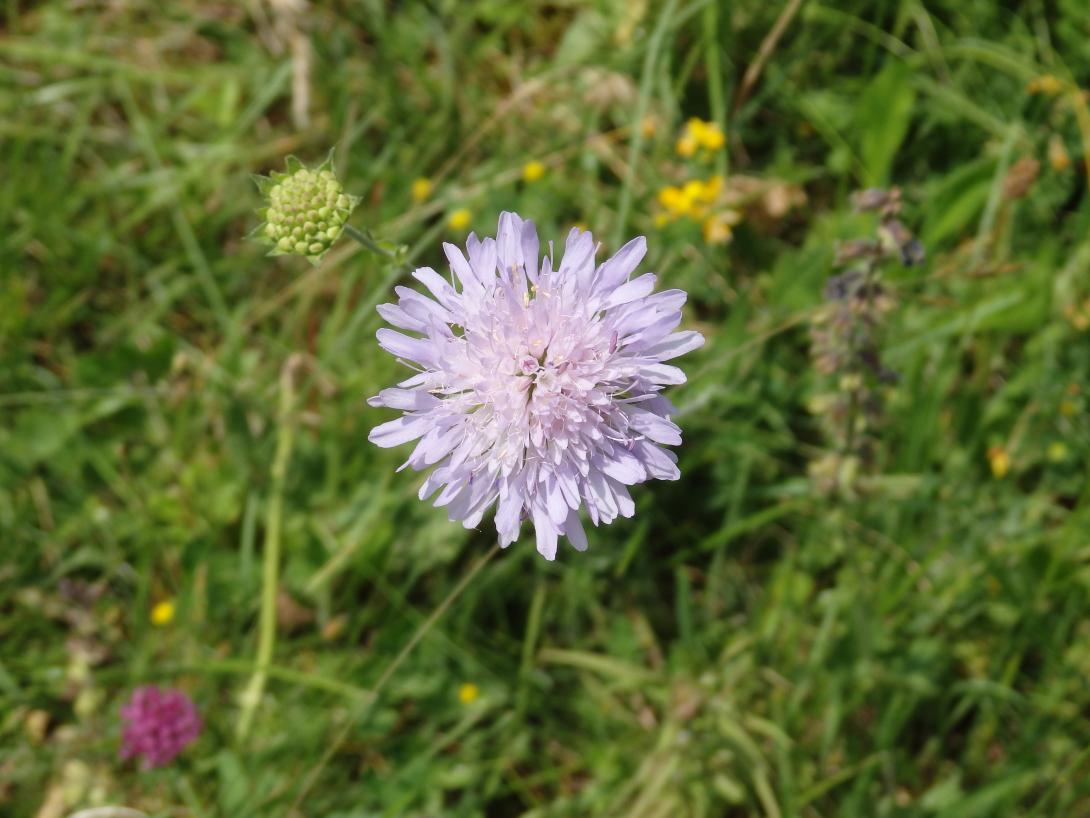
(160, 723)
(537, 388)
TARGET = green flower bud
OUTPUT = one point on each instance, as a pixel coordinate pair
(305, 209)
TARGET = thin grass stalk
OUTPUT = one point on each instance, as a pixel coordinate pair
(270, 582)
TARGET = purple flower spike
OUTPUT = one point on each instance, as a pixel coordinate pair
(159, 724)
(537, 389)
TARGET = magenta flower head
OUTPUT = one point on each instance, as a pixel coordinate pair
(159, 724)
(538, 388)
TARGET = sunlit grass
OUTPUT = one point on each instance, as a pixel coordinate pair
(746, 645)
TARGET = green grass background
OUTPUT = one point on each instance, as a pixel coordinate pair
(745, 646)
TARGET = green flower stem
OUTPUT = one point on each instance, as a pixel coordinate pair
(285, 440)
(369, 243)
(716, 98)
(635, 146)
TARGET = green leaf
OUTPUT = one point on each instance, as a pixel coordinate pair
(883, 117)
(327, 163)
(956, 201)
(234, 784)
(264, 183)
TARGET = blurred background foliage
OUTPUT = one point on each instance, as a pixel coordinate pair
(911, 643)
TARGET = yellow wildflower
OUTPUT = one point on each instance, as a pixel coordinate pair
(691, 199)
(711, 136)
(163, 613)
(713, 187)
(673, 200)
(1057, 452)
(532, 171)
(699, 134)
(459, 219)
(421, 189)
(468, 693)
(693, 191)
(999, 460)
(686, 145)
(1067, 408)
(719, 227)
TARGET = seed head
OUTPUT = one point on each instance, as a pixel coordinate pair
(305, 209)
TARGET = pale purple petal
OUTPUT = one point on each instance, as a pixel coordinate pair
(677, 344)
(615, 271)
(419, 350)
(632, 291)
(396, 315)
(573, 530)
(508, 514)
(547, 533)
(396, 432)
(407, 399)
(655, 428)
(438, 286)
(624, 467)
(471, 285)
(663, 373)
(661, 463)
(482, 255)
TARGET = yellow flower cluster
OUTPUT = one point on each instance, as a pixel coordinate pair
(698, 134)
(691, 199)
(696, 200)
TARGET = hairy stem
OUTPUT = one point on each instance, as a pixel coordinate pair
(367, 242)
(274, 512)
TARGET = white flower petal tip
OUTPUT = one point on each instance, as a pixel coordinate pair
(538, 385)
